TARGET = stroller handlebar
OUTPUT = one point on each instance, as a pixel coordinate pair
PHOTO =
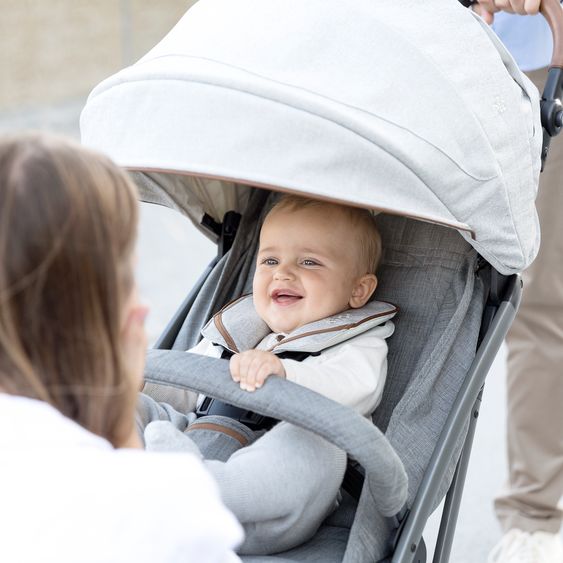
(282, 399)
(552, 12)
(550, 105)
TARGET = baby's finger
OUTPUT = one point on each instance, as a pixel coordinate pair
(253, 370)
(243, 363)
(244, 366)
(234, 367)
(263, 374)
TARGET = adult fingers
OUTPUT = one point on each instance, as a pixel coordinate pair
(488, 5)
(532, 6)
(522, 7)
(487, 16)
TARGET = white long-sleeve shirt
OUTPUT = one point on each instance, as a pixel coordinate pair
(351, 373)
(69, 497)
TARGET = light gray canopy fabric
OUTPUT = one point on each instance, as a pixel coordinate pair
(399, 105)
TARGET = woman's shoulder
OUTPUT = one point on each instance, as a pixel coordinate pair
(172, 497)
(120, 505)
(32, 424)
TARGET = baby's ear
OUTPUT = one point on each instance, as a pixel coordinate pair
(362, 291)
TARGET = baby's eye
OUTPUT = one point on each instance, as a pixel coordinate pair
(269, 262)
(309, 262)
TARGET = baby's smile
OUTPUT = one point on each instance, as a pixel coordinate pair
(307, 268)
(285, 297)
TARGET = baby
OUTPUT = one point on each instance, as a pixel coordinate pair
(315, 274)
(315, 260)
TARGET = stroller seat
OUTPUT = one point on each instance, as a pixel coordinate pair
(431, 273)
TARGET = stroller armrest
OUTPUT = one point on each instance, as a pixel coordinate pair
(386, 478)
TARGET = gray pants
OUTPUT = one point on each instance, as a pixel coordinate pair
(280, 487)
(535, 370)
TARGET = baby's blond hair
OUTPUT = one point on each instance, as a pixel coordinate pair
(367, 234)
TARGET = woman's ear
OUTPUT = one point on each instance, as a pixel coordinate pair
(362, 291)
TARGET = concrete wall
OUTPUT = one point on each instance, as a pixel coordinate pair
(57, 50)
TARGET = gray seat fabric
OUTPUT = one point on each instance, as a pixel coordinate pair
(232, 276)
(328, 546)
(430, 273)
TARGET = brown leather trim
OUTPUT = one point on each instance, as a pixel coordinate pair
(281, 189)
(334, 328)
(232, 302)
(218, 320)
(218, 428)
(552, 12)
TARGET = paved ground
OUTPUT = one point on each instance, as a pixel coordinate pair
(172, 254)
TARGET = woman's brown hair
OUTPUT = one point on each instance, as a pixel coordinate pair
(68, 220)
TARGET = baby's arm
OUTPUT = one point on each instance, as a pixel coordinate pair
(253, 367)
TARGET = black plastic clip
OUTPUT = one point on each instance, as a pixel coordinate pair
(229, 228)
(551, 109)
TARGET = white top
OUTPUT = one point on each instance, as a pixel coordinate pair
(69, 497)
(351, 373)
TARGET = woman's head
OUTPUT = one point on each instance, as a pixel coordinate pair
(68, 221)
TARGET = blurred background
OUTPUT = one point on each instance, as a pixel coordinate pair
(51, 56)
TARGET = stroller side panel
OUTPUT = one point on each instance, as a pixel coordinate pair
(505, 302)
(430, 273)
(231, 277)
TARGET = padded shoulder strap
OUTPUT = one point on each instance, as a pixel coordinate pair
(237, 327)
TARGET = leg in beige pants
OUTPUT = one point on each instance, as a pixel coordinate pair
(535, 370)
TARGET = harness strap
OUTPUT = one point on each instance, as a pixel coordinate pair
(252, 420)
(297, 356)
(242, 440)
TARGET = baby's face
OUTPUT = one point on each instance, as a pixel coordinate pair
(306, 268)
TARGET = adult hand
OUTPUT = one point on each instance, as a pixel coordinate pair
(487, 8)
(253, 367)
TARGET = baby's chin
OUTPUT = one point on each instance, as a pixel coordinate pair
(286, 328)
(282, 329)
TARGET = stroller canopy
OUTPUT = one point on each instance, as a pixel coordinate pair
(413, 108)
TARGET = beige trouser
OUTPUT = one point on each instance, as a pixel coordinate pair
(535, 370)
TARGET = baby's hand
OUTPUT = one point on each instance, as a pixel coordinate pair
(252, 368)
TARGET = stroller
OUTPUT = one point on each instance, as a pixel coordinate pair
(412, 109)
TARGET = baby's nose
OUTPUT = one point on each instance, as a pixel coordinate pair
(283, 273)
